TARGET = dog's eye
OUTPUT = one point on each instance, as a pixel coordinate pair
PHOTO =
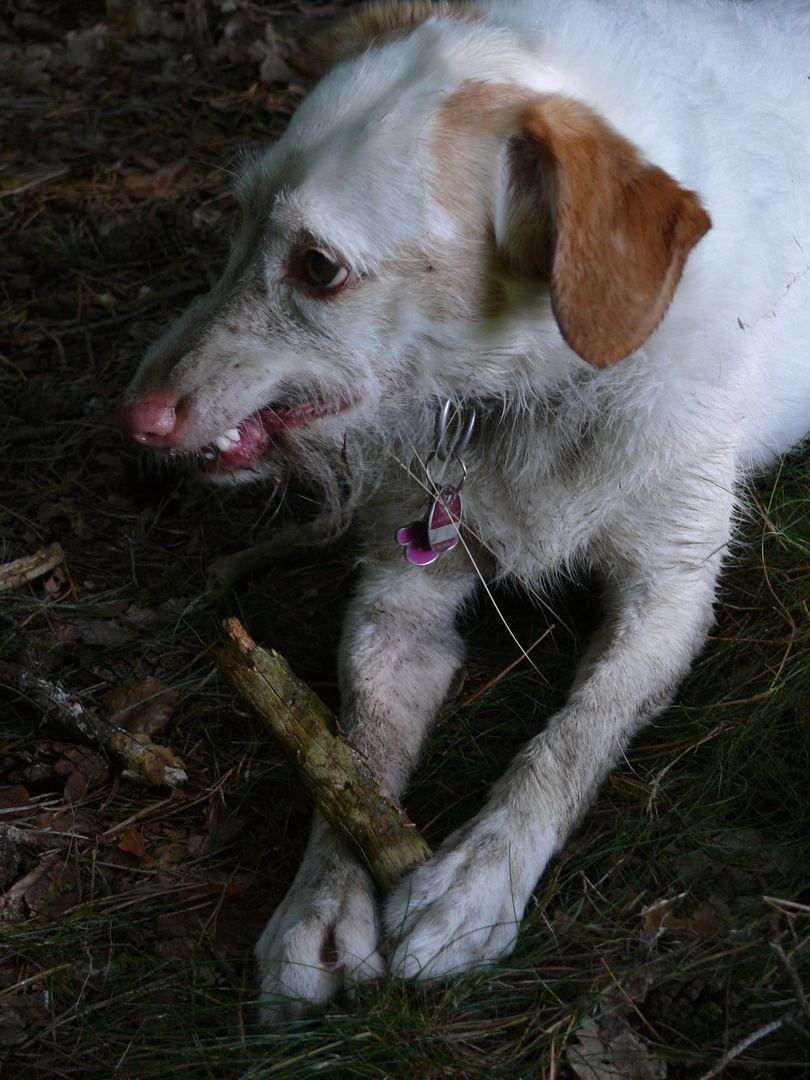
(322, 272)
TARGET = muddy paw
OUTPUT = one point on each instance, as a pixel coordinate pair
(460, 910)
(322, 939)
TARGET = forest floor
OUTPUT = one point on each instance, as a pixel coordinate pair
(670, 938)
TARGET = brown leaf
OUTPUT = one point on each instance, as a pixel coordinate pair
(81, 769)
(94, 632)
(38, 889)
(78, 823)
(223, 825)
(155, 760)
(142, 706)
(659, 916)
(152, 185)
(708, 917)
(15, 802)
(56, 581)
(172, 853)
(134, 844)
(612, 1051)
(146, 761)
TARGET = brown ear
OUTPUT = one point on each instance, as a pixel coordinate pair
(360, 29)
(619, 229)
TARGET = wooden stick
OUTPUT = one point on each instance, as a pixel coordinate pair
(141, 759)
(29, 567)
(336, 774)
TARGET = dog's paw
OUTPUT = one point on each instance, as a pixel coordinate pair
(460, 910)
(323, 938)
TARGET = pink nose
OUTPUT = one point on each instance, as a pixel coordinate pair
(150, 421)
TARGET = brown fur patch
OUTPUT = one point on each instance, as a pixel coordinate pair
(464, 146)
(623, 229)
(606, 232)
(469, 131)
(363, 28)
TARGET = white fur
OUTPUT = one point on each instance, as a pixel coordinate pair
(631, 471)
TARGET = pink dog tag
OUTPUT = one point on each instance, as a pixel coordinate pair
(444, 519)
(417, 549)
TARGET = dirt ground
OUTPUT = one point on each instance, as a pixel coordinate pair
(129, 908)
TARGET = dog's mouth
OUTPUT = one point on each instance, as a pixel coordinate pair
(242, 446)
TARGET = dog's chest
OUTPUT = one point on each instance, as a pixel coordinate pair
(533, 498)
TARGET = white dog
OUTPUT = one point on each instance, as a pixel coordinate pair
(587, 225)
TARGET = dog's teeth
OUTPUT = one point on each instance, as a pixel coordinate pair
(232, 434)
(222, 442)
(209, 455)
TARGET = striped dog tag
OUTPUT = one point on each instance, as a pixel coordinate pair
(444, 519)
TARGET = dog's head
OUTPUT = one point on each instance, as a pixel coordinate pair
(443, 217)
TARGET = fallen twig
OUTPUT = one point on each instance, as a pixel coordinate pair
(793, 976)
(30, 567)
(749, 1040)
(138, 756)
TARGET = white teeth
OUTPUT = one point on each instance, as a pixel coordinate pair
(209, 455)
(232, 434)
(223, 443)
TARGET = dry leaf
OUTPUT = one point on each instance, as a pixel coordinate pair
(142, 706)
(133, 844)
(612, 1051)
(36, 890)
(81, 769)
(94, 632)
(146, 762)
(152, 185)
(708, 917)
(15, 802)
(659, 916)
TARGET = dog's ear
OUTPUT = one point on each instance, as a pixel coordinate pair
(359, 30)
(611, 231)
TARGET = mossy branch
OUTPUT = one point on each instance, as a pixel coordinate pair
(336, 774)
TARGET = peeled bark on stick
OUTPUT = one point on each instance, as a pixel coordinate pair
(29, 567)
(336, 774)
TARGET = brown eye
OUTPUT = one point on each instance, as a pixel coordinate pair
(322, 272)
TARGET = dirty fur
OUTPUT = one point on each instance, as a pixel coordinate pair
(589, 221)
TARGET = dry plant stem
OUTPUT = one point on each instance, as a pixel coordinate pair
(30, 567)
(793, 975)
(735, 1051)
(140, 758)
(336, 774)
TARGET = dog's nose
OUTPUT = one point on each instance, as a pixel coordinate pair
(150, 421)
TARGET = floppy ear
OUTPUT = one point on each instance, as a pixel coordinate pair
(612, 231)
(359, 30)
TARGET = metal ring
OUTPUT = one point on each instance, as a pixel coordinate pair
(441, 431)
(434, 482)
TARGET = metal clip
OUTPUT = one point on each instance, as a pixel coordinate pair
(443, 451)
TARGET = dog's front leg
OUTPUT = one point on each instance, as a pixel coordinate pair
(399, 652)
(463, 908)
